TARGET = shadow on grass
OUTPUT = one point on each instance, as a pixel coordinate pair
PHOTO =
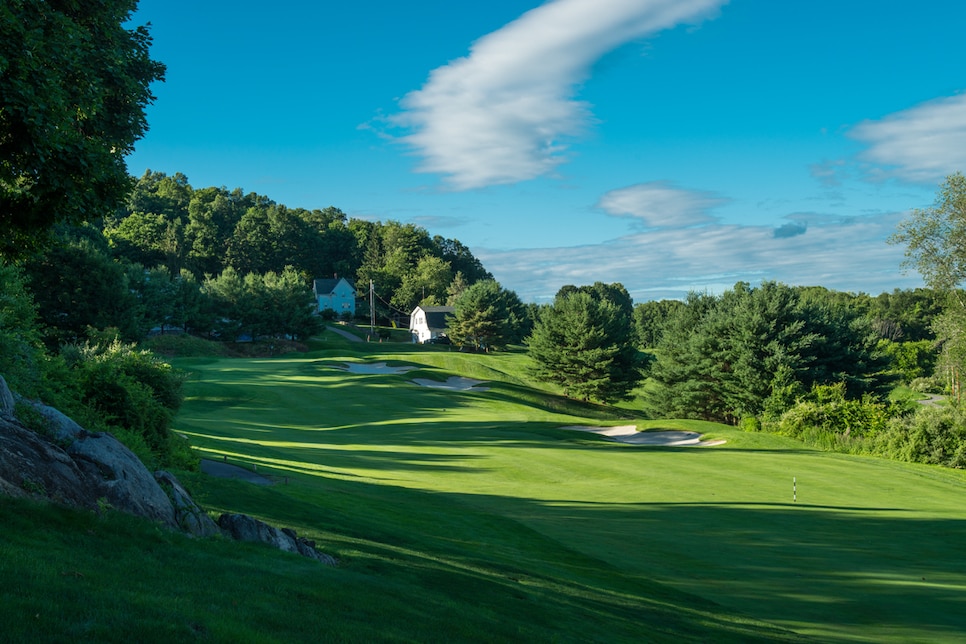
(833, 572)
(491, 567)
(829, 568)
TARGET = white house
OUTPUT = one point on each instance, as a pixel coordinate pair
(428, 323)
(336, 294)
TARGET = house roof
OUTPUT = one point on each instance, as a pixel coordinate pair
(436, 315)
(327, 286)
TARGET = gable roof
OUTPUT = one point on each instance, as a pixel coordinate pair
(436, 315)
(327, 286)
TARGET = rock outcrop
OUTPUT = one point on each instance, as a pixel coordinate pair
(69, 465)
(242, 527)
(31, 466)
(189, 517)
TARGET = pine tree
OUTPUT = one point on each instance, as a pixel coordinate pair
(585, 343)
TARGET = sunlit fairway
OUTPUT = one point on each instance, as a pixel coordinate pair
(472, 516)
(866, 550)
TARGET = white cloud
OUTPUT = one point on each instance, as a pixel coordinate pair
(922, 144)
(848, 254)
(659, 204)
(829, 173)
(503, 113)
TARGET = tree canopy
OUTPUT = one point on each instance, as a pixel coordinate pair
(935, 240)
(74, 85)
(935, 237)
(585, 342)
(753, 351)
(487, 316)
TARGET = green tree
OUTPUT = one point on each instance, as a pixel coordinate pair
(486, 316)
(935, 240)
(425, 284)
(74, 85)
(907, 315)
(456, 288)
(213, 214)
(144, 239)
(650, 319)
(231, 306)
(935, 237)
(460, 259)
(585, 343)
(911, 360)
(753, 351)
(157, 293)
(77, 285)
(272, 304)
(336, 251)
(21, 350)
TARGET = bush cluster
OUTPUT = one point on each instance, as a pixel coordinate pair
(826, 419)
(102, 383)
(131, 392)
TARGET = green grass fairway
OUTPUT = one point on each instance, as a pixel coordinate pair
(470, 516)
(871, 550)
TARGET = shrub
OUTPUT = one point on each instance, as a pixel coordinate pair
(935, 435)
(911, 360)
(133, 392)
(827, 420)
(931, 385)
(185, 346)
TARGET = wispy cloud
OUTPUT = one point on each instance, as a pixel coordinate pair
(828, 173)
(438, 222)
(659, 204)
(921, 144)
(504, 113)
(848, 254)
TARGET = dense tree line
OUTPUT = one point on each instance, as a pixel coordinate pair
(228, 264)
(903, 315)
(166, 222)
(754, 351)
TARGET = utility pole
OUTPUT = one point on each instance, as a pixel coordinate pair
(372, 309)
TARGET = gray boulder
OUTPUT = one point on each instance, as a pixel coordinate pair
(6, 399)
(68, 464)
(242, 527)
(121, 477)
(58, 424)
(33, 466)
(73, 466)
(190, 518)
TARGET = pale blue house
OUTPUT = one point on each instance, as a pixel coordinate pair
(336, 294)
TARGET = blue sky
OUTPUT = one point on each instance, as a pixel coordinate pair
(670, 145)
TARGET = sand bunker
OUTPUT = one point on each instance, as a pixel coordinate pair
(455, 383)
(629, 434)
(373, 368)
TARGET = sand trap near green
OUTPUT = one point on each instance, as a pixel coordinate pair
(373, 368)
(629, 434)
(454, 383)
